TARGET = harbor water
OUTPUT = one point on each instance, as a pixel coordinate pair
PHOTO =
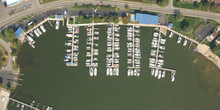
(48, 81)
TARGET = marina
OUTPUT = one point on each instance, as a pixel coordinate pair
(85, 90)
(134, 51)
(92, 49)
(72, 44)
(112, 57)
(156, 61)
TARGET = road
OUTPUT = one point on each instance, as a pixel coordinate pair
(132, 5)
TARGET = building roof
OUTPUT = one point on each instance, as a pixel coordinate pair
(214, 34)
(204, 31)
(12, 2)
(170, 25)
(59, 16)
(218, 40)
(146, 18)
(19, 32)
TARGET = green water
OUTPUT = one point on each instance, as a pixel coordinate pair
(49, 82)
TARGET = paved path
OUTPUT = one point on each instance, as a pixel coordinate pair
(170, 5)
(133, 5)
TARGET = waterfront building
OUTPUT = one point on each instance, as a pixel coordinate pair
(204, 31)
(146, 18)
(9, 3)
(19, 32)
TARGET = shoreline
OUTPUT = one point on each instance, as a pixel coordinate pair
(207, 53)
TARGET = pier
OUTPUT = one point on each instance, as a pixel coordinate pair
(158, 45)
(22, 103)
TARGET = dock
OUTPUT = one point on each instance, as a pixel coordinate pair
(22, 103)
(134, 67)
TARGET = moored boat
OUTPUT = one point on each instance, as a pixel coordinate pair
(91, 71)
(159, 75)
(152, 72)
(163, 74)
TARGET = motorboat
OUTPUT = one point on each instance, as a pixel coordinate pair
(172, 77)
(159, 75)
(57, 25)
(138, 72)
(91, 71)
(152, 72)
(95, 71)
(135, 72)
(42, 28)
(110, 73)
(185, 42)
(129, 72)
(69, 35)
(117, 72)
(132, 72)
(36, 33)
(30, 39)
(171, 34)
(156, 73)
(107, 71)
(179, 39)
(38, 30)
(113, 71)
(163, 74)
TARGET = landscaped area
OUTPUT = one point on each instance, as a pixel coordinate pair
(204, 5)
(186, 25)
(161, 3)
(90, 6)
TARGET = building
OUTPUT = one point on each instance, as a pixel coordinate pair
(59, 16)
(214, 1)
(9, 3)
(19, 32)
(218, 40)
(204, 31)
(146, 18)
(170, 25)
(212, 36)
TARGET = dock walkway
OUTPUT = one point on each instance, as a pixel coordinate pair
(29, 106)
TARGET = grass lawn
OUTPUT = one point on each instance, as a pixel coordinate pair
(194, 23)
(213, 22)
(46, 1)
(198, 6)
(104, 7)
(163, 3)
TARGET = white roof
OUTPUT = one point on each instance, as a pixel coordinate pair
(11, 2)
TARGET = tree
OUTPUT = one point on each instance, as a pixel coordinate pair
(184, 24)
(111, 18)
(125, 20)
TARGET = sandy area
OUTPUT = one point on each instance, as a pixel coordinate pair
(206, 51)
